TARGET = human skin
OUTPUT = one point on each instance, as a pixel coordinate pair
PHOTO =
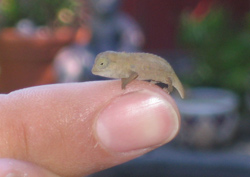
(81, 128)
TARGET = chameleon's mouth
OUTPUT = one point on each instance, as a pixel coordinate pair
(94, 70)
(97, 72)
(101, 73)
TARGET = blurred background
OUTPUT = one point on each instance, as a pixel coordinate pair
(206, 41)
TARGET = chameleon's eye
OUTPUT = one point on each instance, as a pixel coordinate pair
(102, 63)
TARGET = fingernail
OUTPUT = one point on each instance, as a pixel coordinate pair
(136, 121)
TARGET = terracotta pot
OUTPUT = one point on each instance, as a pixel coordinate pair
(27, 60)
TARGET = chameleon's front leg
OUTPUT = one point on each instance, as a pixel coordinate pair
(126, 81)
(170, 86)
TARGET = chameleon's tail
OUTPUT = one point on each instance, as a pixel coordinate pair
(177, 84)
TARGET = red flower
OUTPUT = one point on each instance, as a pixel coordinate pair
(201, 10)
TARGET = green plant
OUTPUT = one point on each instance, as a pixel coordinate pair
(221, 49)
(40, 12)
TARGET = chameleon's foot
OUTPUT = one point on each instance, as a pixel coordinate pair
(166, 90)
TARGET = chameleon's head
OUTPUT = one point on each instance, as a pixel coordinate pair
(102, 65)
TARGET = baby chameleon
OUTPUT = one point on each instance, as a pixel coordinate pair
(143, 66)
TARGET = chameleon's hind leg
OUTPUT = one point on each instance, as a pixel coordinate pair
(126, 81)
(170, 86)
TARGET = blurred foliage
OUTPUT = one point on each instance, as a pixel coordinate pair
(40, 12)
(221, 49)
